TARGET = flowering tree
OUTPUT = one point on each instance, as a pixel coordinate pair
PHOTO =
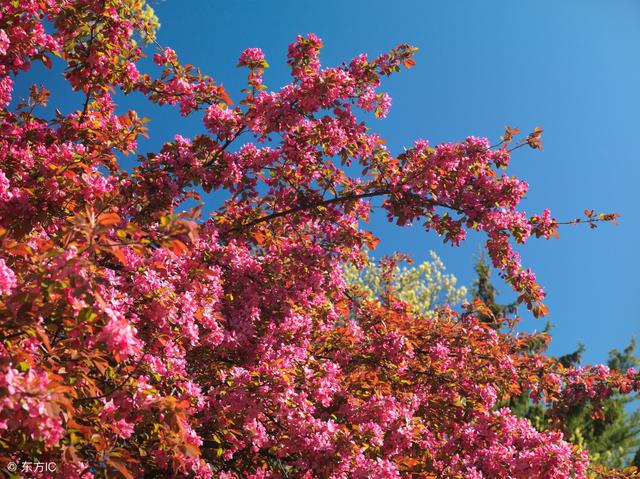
(612, 435)
(141, 340)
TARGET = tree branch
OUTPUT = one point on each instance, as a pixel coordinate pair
(339, 199)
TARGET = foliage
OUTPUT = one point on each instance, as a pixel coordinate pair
(486, 292)
(607, 430)
(141, 341)
(612, 438)
(424, 287)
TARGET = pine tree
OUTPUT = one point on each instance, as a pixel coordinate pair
(613, 438)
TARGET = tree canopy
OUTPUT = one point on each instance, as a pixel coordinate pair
(140, 339)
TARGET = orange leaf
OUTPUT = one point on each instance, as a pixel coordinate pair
(177, 246)
(222, 93)
(121, 468)
(410, 462)
(190, 450)
(20, 249)
(109, 219)
(540, 310)
(43, 337)
(372, 241)
(259, 237)
(118, 252)
(410, 62)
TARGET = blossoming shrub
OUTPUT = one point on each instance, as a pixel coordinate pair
(141, 341)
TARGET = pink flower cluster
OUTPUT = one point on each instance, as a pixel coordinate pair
(168, 55)
(500, 445)
(30, 403)
(251, 57)
(221, 121)
(7, 278)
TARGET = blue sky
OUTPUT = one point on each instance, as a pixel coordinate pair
(571, 67)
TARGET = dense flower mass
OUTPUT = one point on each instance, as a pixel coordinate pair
(221, 121)
(139, 340)
(7, 278)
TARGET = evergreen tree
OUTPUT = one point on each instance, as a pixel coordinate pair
(612, 437)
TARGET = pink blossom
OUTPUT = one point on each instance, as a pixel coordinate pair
(221, 121)
(123, 428)
(132, 71)
(167, 55)
(7, 278)
(4, 42)
(251, 57)
(120, 335)
(6, 87)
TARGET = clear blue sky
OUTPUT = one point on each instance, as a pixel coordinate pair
(571, 67)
